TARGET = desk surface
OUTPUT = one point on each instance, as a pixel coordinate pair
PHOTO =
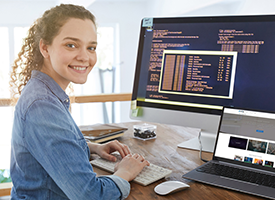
(163, 151)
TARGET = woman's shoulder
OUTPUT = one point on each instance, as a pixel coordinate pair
(34, 91)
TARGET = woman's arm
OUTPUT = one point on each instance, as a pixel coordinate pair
(55, 143)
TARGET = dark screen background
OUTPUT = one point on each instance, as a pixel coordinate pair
(255, 72)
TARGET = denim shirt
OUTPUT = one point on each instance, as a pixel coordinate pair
(49, 156)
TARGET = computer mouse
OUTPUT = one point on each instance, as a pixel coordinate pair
(170, 187)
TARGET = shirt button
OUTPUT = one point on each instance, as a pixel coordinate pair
(67, 100)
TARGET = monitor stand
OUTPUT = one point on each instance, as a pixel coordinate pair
(207, 140)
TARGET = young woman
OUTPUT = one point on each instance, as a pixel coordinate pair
(49, 156)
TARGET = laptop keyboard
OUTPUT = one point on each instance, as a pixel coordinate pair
(239, 174)
(148, 175)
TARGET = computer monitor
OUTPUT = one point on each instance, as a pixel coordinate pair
(188, 68)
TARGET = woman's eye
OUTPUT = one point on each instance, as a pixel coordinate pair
(92, 48)
(71, 45)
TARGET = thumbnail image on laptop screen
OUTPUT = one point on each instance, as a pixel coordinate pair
(247, 136)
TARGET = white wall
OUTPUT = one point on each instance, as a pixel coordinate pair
(22, 12)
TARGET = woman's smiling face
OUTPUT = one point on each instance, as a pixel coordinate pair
(72, 54)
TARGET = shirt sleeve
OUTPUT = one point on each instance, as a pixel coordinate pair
(53, 139)
(123, 185)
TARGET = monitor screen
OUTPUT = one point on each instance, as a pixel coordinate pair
(193, 66)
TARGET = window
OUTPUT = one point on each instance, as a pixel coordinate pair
(4, 60)
(6, 112)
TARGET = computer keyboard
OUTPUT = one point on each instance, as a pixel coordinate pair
(239, 174)
(148, 175)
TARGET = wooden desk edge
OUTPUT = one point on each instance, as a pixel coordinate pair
(5, 189)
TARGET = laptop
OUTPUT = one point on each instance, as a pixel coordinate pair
(244, 154)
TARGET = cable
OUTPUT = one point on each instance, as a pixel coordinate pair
(201, 148)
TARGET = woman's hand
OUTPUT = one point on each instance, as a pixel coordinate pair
(105, 150)
(130, 166)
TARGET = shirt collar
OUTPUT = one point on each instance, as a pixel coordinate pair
(52, 85)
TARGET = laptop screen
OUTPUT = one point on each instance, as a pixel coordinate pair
(246, 137)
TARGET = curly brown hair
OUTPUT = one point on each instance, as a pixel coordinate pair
(45, 28)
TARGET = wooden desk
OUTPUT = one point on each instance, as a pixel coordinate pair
(163, 151)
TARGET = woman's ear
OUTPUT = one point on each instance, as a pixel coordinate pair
(43, 49)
